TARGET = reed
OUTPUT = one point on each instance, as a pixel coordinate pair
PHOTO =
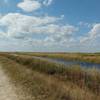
(89, 78)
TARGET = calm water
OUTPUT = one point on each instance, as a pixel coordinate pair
(70, 62)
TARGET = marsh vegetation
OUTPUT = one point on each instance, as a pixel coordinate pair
(44, 80)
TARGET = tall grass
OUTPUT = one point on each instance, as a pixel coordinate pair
(84, 78)
(42, 86)
(88, 57)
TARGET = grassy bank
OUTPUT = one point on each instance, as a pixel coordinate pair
(89, 78)
(88, 57)
(50, 81)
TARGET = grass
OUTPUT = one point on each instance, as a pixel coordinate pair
(50, 81)
(88, 57)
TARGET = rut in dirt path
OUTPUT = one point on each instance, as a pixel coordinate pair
(7, 91)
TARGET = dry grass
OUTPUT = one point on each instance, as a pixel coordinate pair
(48, 81)
(88, 57)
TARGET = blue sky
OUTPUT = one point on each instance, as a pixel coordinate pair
(50, 25)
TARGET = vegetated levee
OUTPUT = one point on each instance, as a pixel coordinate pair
(43, 80)
(87, 57)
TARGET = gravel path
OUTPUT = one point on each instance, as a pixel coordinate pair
(7, 91)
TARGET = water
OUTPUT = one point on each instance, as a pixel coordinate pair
(70, 62)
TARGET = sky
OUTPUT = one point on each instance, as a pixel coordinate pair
(50, 25)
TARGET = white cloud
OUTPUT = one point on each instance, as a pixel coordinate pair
(29, 5)
(62, 33)
(86, 24)
(93, 34)
(57, 35)
(55, 29)
(18, 26)
(33, 5)
(47, 2)
(20, 30)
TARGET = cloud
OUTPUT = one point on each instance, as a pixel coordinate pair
(62, 33)
(18, 24)
(55, 29)
(29, 5)
(57, 35)
(93, 34)
(85, 24)
(47, 2)
(33, 5)
(30, 28)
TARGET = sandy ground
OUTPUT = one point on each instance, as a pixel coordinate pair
(7, 91)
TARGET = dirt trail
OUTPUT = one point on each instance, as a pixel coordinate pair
(7, 91)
